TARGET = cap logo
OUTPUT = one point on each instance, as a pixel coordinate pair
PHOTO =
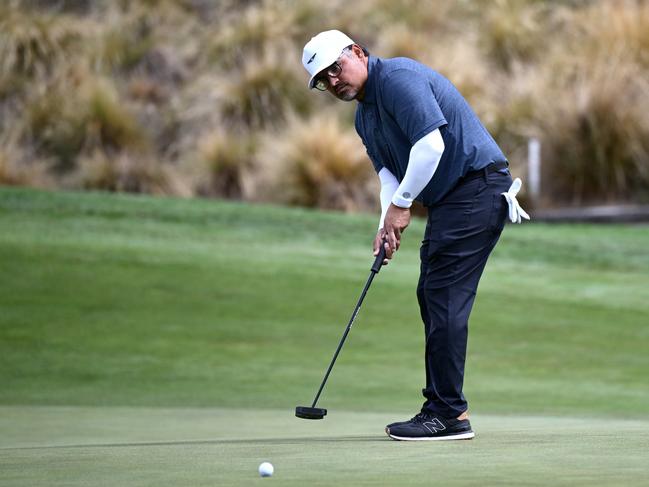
(312, 57)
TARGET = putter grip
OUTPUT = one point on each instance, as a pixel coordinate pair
(378, 262)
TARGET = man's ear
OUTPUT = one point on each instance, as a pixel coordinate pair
(358, 51)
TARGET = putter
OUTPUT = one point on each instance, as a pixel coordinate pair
(313, 412)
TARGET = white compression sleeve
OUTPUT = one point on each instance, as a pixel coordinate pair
(389, 185)
(422, 164)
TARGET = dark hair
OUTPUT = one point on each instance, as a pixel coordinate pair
(349, 48)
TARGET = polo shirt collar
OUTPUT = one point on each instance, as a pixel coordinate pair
(370, 84)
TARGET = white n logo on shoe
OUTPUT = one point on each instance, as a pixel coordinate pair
(434, 426)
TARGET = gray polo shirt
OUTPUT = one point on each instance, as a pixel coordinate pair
(404, 101)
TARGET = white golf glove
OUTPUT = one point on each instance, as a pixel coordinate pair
(515, 210)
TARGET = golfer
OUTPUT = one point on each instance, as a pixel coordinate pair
(426, 144)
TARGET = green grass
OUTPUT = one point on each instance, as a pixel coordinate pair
(206, 447)
(180, 320)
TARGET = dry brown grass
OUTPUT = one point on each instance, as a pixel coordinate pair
(79, 112)
(32, 43)
(263, 93)
(174, 95)
(122, 172)
(615, 29)
(251, 33)
(591, 106)
(226, 158)
(20, 168)
(596, 134)
(513, 31)
(317, 162)
(399, 39)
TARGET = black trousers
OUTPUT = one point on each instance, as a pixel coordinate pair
(462, 231)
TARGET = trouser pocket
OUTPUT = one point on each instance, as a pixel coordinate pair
(498, 214)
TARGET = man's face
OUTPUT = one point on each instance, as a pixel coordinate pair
(349, 83)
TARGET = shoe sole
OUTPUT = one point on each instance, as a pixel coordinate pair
(460, 436)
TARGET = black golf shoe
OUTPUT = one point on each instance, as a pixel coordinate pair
(426, 427)
(400, 423)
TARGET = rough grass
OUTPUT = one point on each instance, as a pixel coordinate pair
(317, 163)
(178, 70)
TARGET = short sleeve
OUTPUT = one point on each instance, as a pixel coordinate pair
(377, 165)
(409, 97)
(375, 161)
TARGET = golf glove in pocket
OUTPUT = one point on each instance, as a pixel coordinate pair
(515, 210)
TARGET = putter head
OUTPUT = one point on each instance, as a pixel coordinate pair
(310, 413)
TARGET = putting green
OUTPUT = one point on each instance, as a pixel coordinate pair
(207, 447)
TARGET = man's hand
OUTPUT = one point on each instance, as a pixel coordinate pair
(378, 241)
(396, 221)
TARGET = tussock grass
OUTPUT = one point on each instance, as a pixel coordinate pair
(227, 157)
(32, 43)
(263, 94)
(159, 77)
(596, 130)
(420, 15)
(146, 90)
(124, 172)
(55, 127)
(20, 167)
(251, 32)
(320, 163)
(125, 43)
(617, 29)
(400, 40)
(513, 31)
(17, 170)
(598, 134)
(78, 113)
(108, 119)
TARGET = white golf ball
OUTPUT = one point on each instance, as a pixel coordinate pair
(266, 469)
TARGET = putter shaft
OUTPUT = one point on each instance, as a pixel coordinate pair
(378, 262)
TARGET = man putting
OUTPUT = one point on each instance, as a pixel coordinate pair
(426, 143)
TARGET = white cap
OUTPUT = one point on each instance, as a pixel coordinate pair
(323, 50)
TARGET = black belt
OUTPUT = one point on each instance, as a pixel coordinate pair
(493, 167)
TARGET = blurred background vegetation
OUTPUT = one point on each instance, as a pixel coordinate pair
(209, 98)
